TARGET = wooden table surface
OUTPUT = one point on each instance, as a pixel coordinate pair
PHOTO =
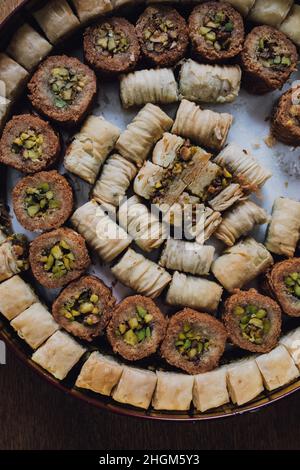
(34, 415)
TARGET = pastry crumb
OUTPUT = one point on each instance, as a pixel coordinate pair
(270, 141)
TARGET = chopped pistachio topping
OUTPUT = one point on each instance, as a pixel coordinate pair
(40, 200)
(20, 249)
(84, 308)
(137, 328)
(160, 34)
(292, 282)
(29, 145)
(5, 222)
(65, 84)
(58, 260)
(254, 322)
(270, 55)
(217, 29)
(191, 344)
(223, 179)
(111, 41)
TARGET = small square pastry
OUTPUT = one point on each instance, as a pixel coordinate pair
(35, 325)
(15, 297)
(136, 387)
(292, 343)
(277, 368)
(174, 392)
(91, 9)
(210, 390)
(244, 381)
(59, 354)
(100, 374)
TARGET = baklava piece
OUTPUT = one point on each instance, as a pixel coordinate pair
(15, 297)
(174, 392)
(277, 368)
(286, 118)
(136, 387)
(244, 381)
(13, 256)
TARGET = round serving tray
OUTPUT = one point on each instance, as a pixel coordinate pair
(250, 129)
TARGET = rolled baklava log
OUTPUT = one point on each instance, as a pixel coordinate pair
(111, 46)
(58, 257)
(252, 321)
(202, 126)
(194, 341)
(88, 10)
(29, 144)
(5, 222)
(284, 230)
(163, 35)
(63, 89)
(148, 86)
(286, 118)
(43, 201)
(241, 264)
(209, 83)
(239, 221)
(137, 328)
(283, 282)
(291, 25)
(84, 308)
(243, 6)
(270, 12)
(13, 256)
(268, 59)
(216, 31)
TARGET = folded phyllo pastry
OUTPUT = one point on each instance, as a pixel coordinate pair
(241, 264)
(59, 354)
(101, 233)
(5, 222)
(88, 10)
(111, 46)
(243, 167)
(232, 194)
(243, 6)
(244, 381)
(209, 83)
(291, 341)
(100, 374)
(141, 274)
(147, 178)
(210, 390)
(163, 35)
(174, 392)
(252, 321)
(58, 257)
(194, 292)
(284, 230)
(90, 148)
(239, 221)
(43, 201)
(194, 341)
(291, 25)
(136, 387)
(15, 297)
(13, 77)
(28, 47)
(29, 144)
(13, 256)
(283, 281)
(114, 180)
(149, 86)
(136, 142)
(277, 368)
(167, 149)
(56, 19)
(63, 89)
(268, 59)
(35, 325)
(142, 225)
(84, 307)
(270, 12)
(286, 118)
(203, 126)
(137, 328)
(188, 257)
(216, 31)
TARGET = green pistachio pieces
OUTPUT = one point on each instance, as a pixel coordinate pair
(216, 30)
(271, 56)
(40, 200)
(110, 40)
(29, 145)
(58, 260)
(253, 321)
(191, 344)
(292, 282)
(161, 34)
(83, 307)
(65, 84)
(137, 328)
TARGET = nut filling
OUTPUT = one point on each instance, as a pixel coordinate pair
(222, 181)
(254, 322)
(109, 41)
(191, 344)
(29, 145)
(58, 260)
(40, 200)
(138, 328)
(65, 84)
(161, 34)
(19, 245)
(292, 282)
(270, 55)
(83, 308)
(217, 29)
